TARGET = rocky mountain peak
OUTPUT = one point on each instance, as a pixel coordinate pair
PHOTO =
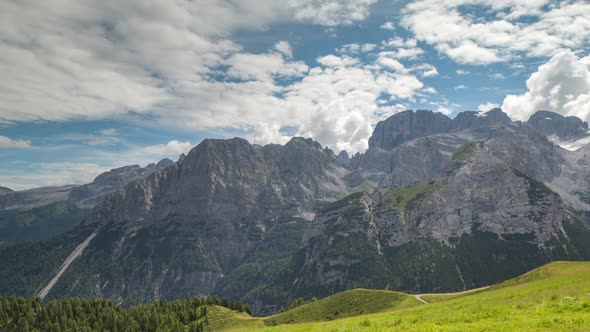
(407, 125)
(164, 163)
(465, 120)
(554, 124)
(343, 157)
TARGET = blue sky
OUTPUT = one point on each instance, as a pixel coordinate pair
(89, 86)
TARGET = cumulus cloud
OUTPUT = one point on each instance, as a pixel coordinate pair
(285, 48)
(329, 12)
(484, 108)
(495, 31)
(173, 148)
(64, 60)
(561, 85)
(8, 143)
(388, 26)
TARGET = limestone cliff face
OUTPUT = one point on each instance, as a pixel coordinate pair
(180, 230)
(407, 125)
(89, 195)
(466, 120)
(484, 220)
(569, 128)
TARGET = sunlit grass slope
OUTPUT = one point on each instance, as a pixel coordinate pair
(345, 304)
(555, 297)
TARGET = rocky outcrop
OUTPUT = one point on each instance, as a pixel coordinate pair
(569, 128)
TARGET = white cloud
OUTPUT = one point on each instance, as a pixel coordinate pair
(285, 48)
(368, 47)
(561, 85)
(171, 64)
(426, 70)
(388, 26)
(462, 72)
(171, 149)
(391, 64)
(495, 32)
(337, 61)
(329, 12)
(264, 67)
(444, 110)
(497, 76)
(8, 143)
(460, 87)
(53, 174)
(88, 165)
(69, 60)
(484, 108)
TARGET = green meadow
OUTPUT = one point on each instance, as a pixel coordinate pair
(554, 297)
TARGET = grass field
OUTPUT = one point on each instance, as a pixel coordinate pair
(555, 297)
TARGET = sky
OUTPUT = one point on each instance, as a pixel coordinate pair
(87, 86)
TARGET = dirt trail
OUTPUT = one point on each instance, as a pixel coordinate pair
(75, 254)
(418, 297)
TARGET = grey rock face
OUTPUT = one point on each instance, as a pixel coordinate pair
(88, 195)
(4, 190)
(448, 226)
(164, 163)
(83, 196)
(222, 199)
(565, 128)
(407, 125)
(465, 120)
(343, 157)
(525, 149)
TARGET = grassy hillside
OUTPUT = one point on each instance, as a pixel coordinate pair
(555, 297)
(345, 304)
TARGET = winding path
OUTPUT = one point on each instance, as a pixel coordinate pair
(419, 298)
(64, 266)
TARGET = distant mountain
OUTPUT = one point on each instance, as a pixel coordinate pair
(433, 204)
(40, 213)
(569, 128)
(88, 195)
(4, 190)
(408, 125)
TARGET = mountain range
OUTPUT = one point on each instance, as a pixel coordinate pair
(434, 204)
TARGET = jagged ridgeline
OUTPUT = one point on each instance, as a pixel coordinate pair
(434, 204)
(76, 314)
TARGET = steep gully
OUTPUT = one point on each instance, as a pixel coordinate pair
(69, 260)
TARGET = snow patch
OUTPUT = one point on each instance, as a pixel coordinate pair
(569, 145)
